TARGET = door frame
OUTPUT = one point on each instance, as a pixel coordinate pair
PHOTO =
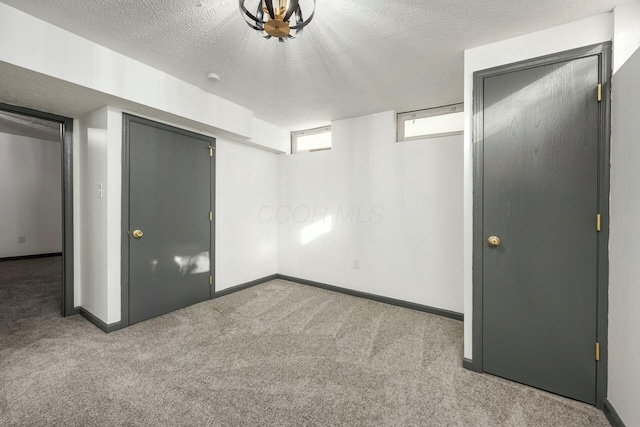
(68, 307)
(603, 51)
(127, 119)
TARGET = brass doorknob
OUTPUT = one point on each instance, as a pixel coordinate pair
(137, 234)
(493, 241)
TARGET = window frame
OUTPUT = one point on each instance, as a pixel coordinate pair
(428, 112)
(308, 132)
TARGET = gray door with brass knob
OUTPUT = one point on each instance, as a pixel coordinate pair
(539, 202)
(170, 235)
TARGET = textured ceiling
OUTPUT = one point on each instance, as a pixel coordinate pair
(355, 58)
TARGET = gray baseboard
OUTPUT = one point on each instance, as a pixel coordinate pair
(244, 286)
(467, 364)
(21, 257)
(611, 414)
(99, 323)
(392, 301)
(378, 298)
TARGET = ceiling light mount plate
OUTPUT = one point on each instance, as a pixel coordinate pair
(276, 28)
(281, 19)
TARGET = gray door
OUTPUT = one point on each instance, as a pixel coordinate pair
(541, 199)
(170, 197)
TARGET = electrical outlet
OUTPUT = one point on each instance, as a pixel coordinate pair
(22, 239)
(356, 264)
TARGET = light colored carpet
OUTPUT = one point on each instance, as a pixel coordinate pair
(277, 354)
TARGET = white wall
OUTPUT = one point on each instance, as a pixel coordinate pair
(113, 191)
(627, 33)
(582, 33)
(246, 180)
(246, 247)
(30, 196)
(270, 137)
(33, 44)
(91, 221)
(98, 154)
(77, 217)
(395, 207)
(624, 268)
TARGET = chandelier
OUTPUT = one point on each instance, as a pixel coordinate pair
(273, 18)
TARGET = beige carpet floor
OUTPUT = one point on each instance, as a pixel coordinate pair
(278, 354)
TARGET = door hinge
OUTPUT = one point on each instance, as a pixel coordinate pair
(597, 351)
(210, 279)
(598, 222)
(211, 148)
(599, 92)
(210, 216)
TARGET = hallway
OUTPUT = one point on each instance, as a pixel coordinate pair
(30, 292)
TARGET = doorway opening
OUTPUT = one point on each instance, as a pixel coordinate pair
(36, 213)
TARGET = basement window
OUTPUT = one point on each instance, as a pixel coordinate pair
(306, 141)
(431, 123)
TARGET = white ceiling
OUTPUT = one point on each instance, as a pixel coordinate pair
(356, 57)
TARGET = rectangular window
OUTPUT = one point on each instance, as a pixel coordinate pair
(306, 141)
(431, 123)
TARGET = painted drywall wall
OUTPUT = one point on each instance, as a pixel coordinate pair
(582, 33)
(114, 213)
(77, 218)
(33, 44)
(31, 196)
(626, 33)
(246, 246)
(394, 210)
(624, 292)
(97, 192)
(36, 45)
(273, 138)
(246, 180)
(91, 221)
(624, 240)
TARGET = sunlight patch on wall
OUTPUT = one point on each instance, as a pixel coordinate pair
(315, 230)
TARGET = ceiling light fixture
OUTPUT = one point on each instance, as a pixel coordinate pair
(272, 18)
